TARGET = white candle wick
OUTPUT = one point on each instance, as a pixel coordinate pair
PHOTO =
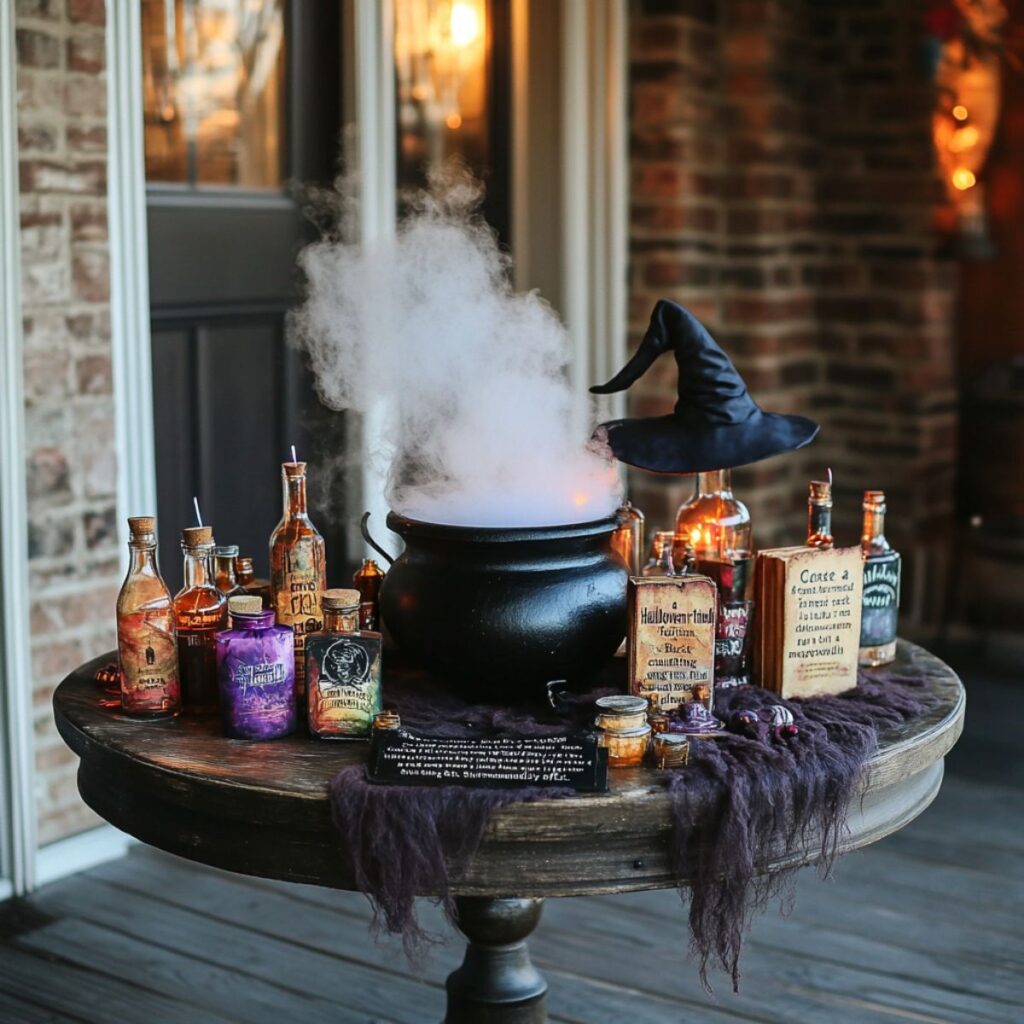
(830, 476)
(199, 517)
(294, 457)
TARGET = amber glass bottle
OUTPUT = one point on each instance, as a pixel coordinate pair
(714, 524)
(247, 580)
(147, 645)
(367, 581)
(201, 611)
(224, 556)
(298, 567)
(819, 514)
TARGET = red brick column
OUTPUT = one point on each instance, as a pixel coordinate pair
(70, 461)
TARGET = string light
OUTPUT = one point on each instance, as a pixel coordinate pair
(960, 112)
(963, 179)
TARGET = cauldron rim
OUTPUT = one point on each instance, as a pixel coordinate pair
(407, 527)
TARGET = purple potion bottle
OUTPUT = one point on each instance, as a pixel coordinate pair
(256, 673)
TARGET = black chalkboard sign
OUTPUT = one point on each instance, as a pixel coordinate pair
(503, 762)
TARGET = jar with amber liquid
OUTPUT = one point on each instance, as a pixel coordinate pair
(298, 567)
(147, 644)
(224, 556)
(245, 573)
(201, 611)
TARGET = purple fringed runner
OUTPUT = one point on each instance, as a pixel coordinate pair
(740, 803)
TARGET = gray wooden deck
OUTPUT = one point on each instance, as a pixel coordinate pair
(926, 926)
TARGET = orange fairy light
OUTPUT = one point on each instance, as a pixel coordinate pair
(960, 112)
(963, 179)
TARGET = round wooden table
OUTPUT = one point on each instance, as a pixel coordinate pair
(262, 809)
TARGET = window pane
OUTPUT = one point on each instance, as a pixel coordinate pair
(441, 71)
(213, 91)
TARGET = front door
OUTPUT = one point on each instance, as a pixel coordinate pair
(242, 111)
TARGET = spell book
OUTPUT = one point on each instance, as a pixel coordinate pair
(808, 607)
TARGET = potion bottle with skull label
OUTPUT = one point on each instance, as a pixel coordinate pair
(343, 671)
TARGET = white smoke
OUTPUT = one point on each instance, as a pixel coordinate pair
(480, 422)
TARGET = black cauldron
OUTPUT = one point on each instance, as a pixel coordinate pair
(499, 612)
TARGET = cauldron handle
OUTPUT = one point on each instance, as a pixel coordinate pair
(364, 529)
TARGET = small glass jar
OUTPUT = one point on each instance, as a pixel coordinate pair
(387, 721)
(623, 729)
(670, 750)
(256, 673)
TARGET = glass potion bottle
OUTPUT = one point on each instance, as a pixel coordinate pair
(147, 645)
(367, 581)
(201, 611)
(343, 671)
(881, 601)
(714, 525)
(298, 567)
(256, 673)
(246, 576)
(224, 556)
(819, 514)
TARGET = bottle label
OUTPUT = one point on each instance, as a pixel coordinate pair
(298, 580)
(257, 685)
(881, 599)
(732, 644)
(149, 661)
(344, 684)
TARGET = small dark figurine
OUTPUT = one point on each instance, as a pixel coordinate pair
(774, 720)
(695, 719)
(782, 721)
(744, 723)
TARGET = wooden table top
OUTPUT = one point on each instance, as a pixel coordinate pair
(262, 808)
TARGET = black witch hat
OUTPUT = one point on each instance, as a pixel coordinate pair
(716, 424)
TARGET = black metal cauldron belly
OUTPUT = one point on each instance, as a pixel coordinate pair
(499, 612)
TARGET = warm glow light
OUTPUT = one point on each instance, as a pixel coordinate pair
(963, 138)
(454, 120)
(465, 24)
(580, 499)
(963, 179)
(960, 112)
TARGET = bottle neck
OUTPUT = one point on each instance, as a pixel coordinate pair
(819, 525)
(295, 497)
(715, 482)
(249, 621)
(142, 559)
(224, 567)
(198, 568)
(872, 538)
(336, 621)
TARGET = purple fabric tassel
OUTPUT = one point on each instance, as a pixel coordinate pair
(740, 803)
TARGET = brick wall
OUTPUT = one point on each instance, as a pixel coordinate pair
(783, 189)
(69, 428)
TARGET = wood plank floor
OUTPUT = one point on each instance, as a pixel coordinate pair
(926, 926)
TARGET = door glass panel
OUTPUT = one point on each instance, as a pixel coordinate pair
(213, 92)
(441, 67)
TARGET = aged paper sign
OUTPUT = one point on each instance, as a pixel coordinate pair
(821, 616)
(671, 639)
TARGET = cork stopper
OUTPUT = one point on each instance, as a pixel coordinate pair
(340, 600)
(293, 470)
(141, 525)
(243, 563)
(196, 535)
(245, 604)
(226, 550)
(874, 497)
(819, 491)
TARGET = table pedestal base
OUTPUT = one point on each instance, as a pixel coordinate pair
(497, 983)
